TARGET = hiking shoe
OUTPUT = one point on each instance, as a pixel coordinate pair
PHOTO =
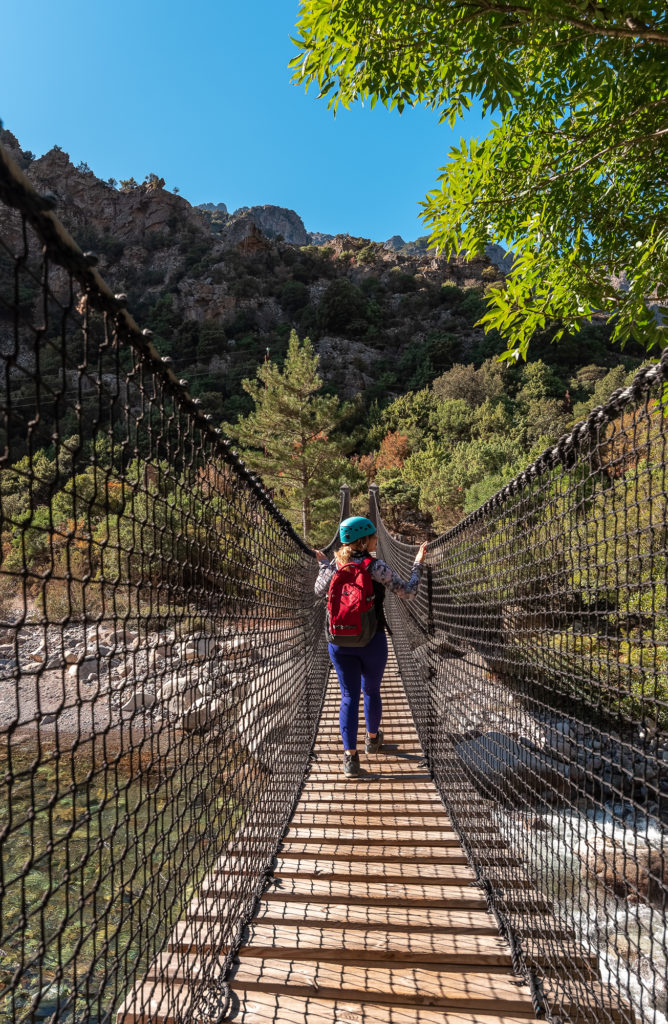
(351, 765)
(372, 746)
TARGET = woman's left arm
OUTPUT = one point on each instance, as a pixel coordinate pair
(406, 589)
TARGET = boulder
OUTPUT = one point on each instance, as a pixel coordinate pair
(202, 712)
(637, 875)
(85, 669)
(139, 699)
(199, 649)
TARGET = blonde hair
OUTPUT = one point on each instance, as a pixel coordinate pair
(346, 551)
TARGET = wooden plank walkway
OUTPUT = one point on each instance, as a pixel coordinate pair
(371, 916)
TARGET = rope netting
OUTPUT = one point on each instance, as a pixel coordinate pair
(162, 670)
(536, 663)
(162, 665)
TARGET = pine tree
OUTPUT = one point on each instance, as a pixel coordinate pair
(287, 438)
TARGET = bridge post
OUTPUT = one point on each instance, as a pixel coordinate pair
(345, 500)
(374, 502)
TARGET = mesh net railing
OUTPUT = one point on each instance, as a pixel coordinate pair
(162, 666)
(536, 662)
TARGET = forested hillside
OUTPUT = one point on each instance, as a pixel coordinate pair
(411, 393)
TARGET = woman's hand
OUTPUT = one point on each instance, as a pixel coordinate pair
(320, 556)
(419, 558)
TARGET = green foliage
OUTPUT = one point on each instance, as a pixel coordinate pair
(369, 253)
(401, 283)
(289, 438)
(600, 388)
(427, 358)
(573, 169)
(471, 384)
(294, 296)
(450, 295)
(410, 414)
(443, 473)
(342, 307)
(452, 420)
(152, 182)
(472, 305)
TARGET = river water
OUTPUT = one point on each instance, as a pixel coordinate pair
(97, 866)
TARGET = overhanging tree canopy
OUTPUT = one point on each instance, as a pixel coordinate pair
(574, 171)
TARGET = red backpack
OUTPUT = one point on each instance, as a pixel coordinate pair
(351, 613)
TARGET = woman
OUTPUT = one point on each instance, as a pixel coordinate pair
(360, 666)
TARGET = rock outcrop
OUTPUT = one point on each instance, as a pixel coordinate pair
(275, 221)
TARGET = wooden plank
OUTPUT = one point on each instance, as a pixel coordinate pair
(357, 798)
(394, 755)
(309, 942)
(392, 732)
(422, 784)
(353, 870)
(455, 897)
(491, 991)
(369, 770)
(374, 810)
(377, 790)
(388, 854)
(435, 837)
(374, 788)
(393, 703)
(358, 915)
(446, 874)
(406, 752)
(272, 1008)
(388, 820)
(406, 852)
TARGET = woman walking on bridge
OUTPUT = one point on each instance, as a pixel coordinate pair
(355, 584)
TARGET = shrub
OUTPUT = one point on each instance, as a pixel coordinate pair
(450, 295)
(401, 283)
(472, 307)
(369, 253)
(342, 304)
(294, 295)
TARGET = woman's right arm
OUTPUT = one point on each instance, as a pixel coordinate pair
(325, 573)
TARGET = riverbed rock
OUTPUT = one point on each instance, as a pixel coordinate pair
(85, 669)
(511, 769)
(139, 699)
(199, 649)
(636, 875)
(202, 712)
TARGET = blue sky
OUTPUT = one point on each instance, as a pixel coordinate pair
(200, 94)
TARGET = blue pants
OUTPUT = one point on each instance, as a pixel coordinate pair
(359, 669)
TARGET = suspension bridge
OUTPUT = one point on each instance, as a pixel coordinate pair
(176, 841)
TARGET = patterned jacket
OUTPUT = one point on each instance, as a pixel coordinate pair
(380, 573)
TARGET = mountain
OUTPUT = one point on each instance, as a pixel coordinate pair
(219, 288)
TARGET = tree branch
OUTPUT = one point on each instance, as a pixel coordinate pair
(590, 28)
